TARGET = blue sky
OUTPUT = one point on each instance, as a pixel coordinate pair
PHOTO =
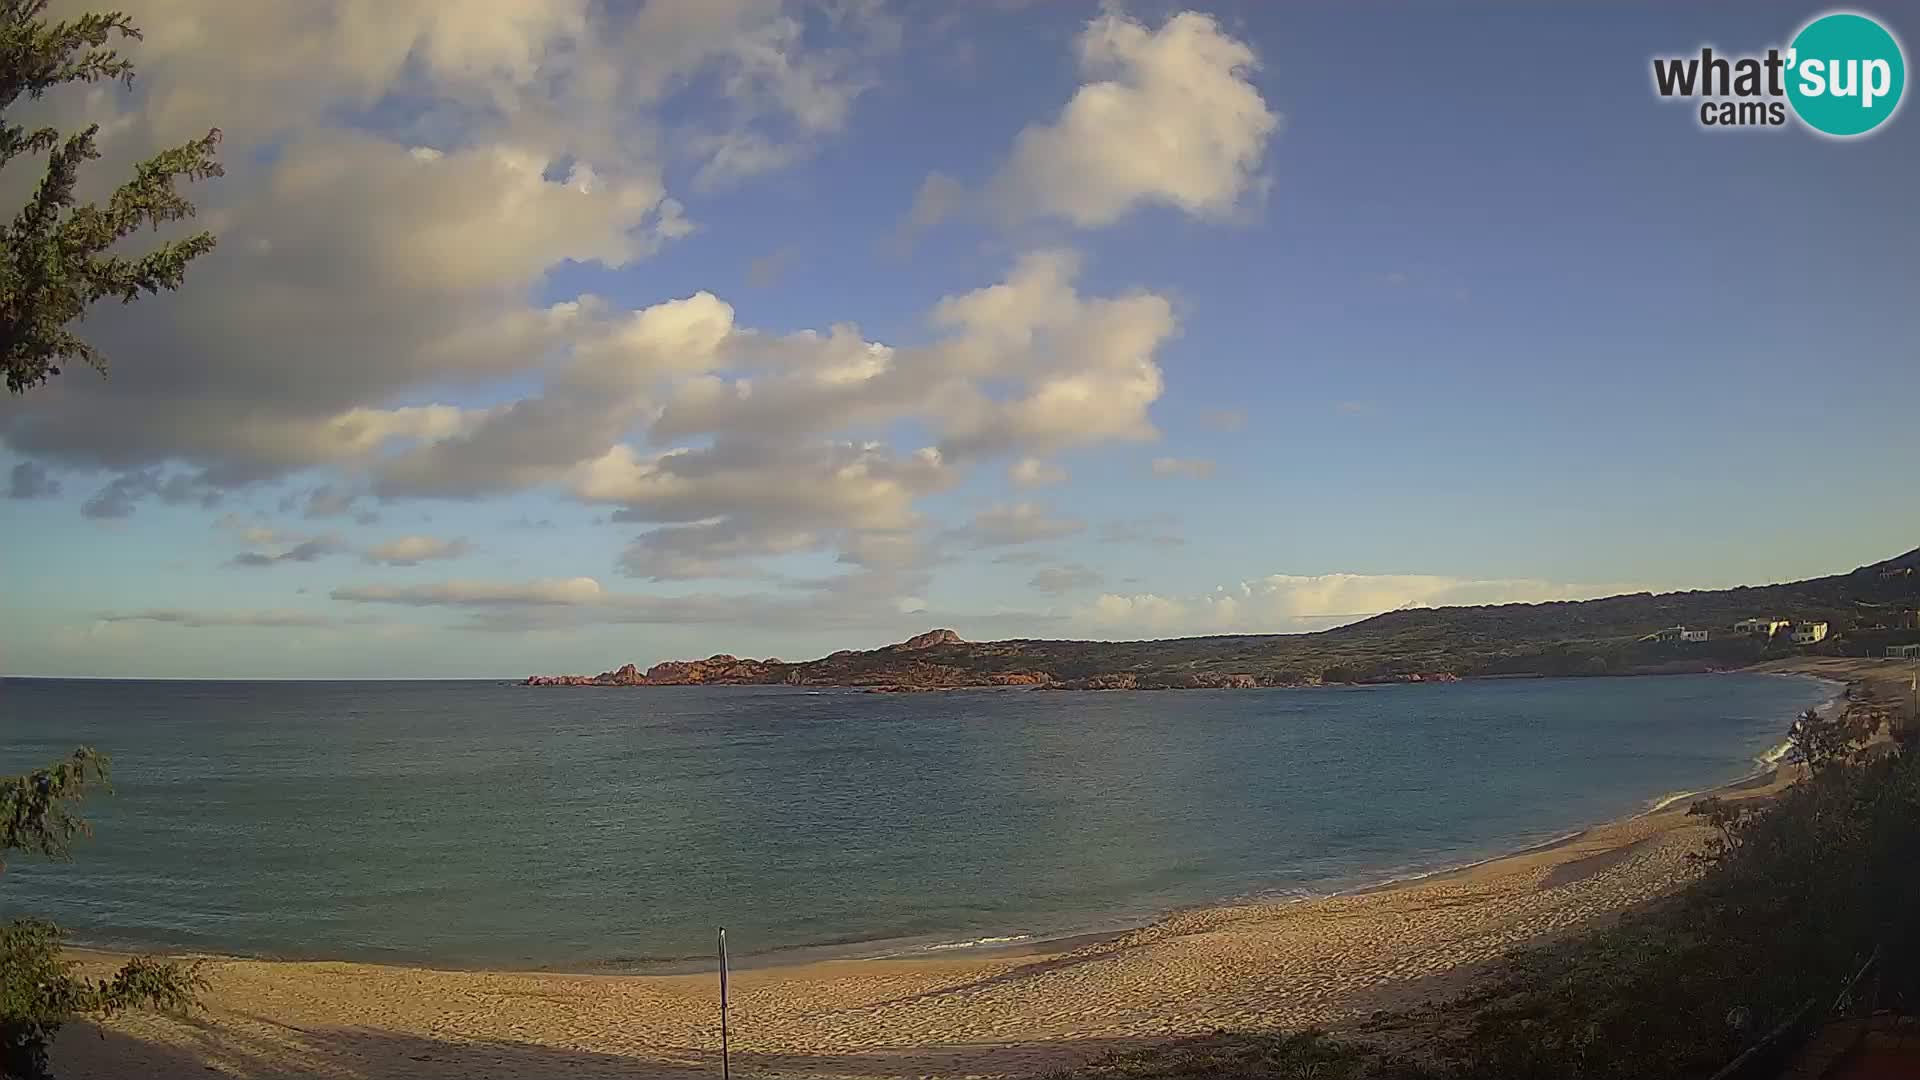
(1436, 309)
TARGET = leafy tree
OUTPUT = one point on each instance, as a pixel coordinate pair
(39, 991)
(54, 255)
(1818, 743)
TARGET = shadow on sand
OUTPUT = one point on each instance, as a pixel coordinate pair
(200, 1050)
(199, 1047)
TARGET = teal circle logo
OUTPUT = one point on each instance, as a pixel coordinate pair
(1845, 73)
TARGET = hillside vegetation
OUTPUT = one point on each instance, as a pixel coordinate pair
(1588, 637)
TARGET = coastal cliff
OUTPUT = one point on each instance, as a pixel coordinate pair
(1867, 610)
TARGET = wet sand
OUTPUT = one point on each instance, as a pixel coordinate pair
(1329, 962)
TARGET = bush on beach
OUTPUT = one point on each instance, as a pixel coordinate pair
(39, 990)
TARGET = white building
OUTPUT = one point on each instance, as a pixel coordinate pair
(1807, 633)
(1766, 628)
(1678, 633)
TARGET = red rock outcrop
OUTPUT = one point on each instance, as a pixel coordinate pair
(927, 640)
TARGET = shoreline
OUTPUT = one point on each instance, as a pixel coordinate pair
(1018, 1009)
(1329, 961)
(1010, 941)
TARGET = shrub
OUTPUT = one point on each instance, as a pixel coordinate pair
(39, 989)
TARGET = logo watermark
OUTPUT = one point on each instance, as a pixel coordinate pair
(1842, 75)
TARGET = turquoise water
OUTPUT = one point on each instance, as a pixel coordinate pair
(482, 824)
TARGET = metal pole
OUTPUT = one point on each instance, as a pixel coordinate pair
(726, 1068)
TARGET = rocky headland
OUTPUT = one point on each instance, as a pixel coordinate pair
(936, 660)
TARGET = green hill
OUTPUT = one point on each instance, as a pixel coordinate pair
(1568, 637)
(1864, 609)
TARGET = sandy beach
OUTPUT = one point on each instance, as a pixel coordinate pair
(1328, 962)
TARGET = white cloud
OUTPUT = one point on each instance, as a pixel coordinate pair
(359, 265)
(1088, 365)
(409, 550)
(1168, 117)
(269, 546)
(1033, 472)
(1026, 363)
(1190, 468)
(543, 592)
(1008, 525)
(376, 323)
(1288, 603)
(741, 498)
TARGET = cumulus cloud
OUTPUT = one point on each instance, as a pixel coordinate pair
(360, 264)
(739, 499)
(1027, 364)
(1022, 365)
(1190, 468)
(1090, 379)
(708, 549)
(1064, 579)
(1166, 117)
(379, 322)
(31, 480)
(1287, 603)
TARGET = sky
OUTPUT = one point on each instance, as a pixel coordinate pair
(548, 336)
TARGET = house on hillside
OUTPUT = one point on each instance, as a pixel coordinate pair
(1807, 633)
(1765, 628)
(1903, 652)
(1696, 635)
(1678, 633)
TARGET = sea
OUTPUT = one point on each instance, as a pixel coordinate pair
(488, 825)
